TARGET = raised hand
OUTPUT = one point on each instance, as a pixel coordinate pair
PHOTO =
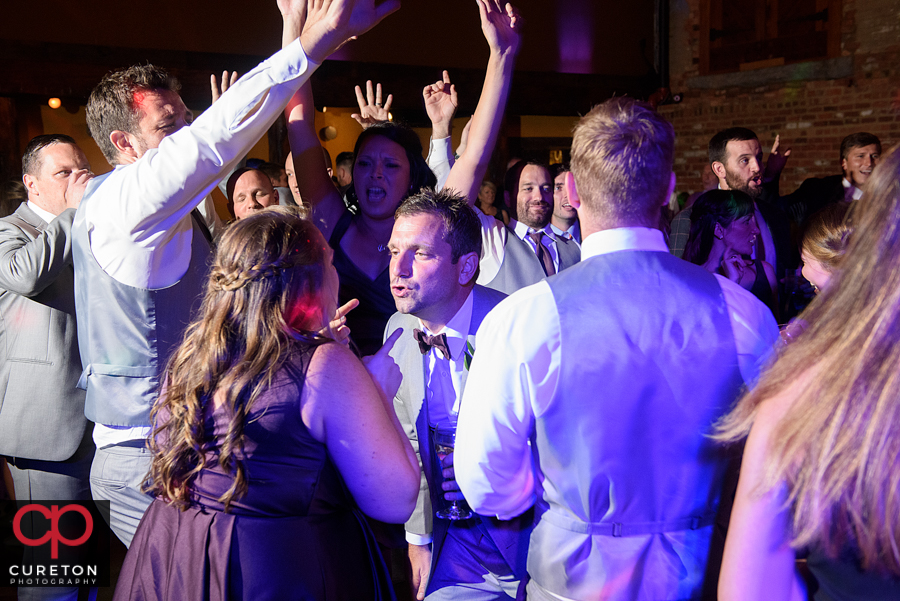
(371, 108)
(733, 265)
(777, 161)
(384, 370)
(226, 83)
(501, 25)
(330, 23)
(77, 186)
(440, 104)
(338, 325)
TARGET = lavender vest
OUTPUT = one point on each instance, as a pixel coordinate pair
(126, 334)
(632, 483)
(521, 266)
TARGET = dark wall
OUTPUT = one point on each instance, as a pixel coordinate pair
(578, 36)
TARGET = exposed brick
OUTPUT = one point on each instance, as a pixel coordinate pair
(811, 116)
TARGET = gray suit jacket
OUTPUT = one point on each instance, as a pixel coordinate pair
(511, 537)
(41, 411)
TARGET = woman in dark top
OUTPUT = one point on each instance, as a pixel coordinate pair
(389, 167)
(821, 465)
(723, 234)
(270, 439)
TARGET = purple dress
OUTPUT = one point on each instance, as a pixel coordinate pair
(296, 534)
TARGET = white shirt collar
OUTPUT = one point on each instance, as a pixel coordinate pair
(857, 193)
(522, 230)
(457, 329)
(45, 215)
(623, 238)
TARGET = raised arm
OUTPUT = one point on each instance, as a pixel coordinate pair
(501, 27)
(28, 265)
(315, 186)
(324, 26)
(440, 105)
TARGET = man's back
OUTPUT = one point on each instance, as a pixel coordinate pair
(646, 487)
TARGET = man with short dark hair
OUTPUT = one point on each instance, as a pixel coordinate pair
(564, 221)
(435, 246)
(140, 251)
(43, 432)
(735, 156)
(343, 171)
(859, 155)
(527, 250)
(594, 391)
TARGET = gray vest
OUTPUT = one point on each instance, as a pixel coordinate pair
(126, 334)
(648, 364)
(521, 267)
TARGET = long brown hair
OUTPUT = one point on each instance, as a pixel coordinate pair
(267, 275)
(838, 445)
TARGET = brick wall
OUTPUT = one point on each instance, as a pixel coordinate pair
(811, 115)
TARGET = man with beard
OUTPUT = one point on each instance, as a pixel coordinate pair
(525, 251)
(564, 221)
(735, 156)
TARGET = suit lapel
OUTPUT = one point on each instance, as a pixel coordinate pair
(28, 220)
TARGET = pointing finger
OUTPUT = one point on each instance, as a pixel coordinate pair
(390, 342)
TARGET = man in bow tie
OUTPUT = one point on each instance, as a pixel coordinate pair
(435, 247)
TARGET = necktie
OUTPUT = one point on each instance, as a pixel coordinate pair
(426, 342)
(543, 254)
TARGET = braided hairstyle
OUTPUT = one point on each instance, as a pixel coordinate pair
(266, 285)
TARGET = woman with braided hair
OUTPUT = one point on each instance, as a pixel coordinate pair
(269, 438)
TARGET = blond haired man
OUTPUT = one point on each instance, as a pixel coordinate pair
(592, 392)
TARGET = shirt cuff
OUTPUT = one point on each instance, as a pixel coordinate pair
(418, 539)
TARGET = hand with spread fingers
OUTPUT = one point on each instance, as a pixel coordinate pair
(325, 25)
(227, 82)
(501, 25)
(371, 108)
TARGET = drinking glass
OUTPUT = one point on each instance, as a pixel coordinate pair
(444, 436)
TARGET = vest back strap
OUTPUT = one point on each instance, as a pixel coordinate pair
(619, 529)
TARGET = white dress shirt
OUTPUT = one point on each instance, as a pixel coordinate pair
(138, 218)
(573, 233)
(851, 192)
(521, 337)
(443, 379)
(440, 160)
(493, 241)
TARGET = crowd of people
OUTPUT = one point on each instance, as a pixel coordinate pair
(258, 400)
